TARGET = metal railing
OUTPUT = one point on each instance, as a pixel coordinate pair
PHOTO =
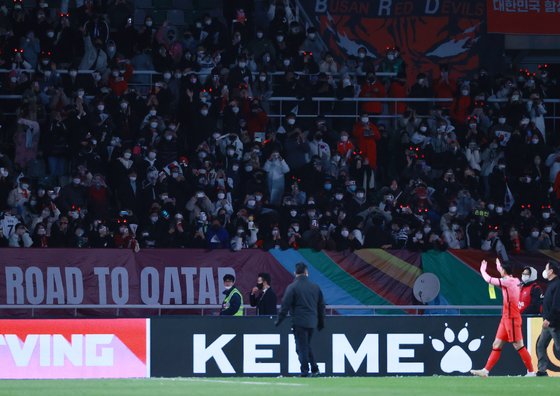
(213, 309)
(201, 74)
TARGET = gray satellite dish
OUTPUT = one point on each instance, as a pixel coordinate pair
(426, 287)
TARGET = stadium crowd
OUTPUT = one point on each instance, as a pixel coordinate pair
(104, 159)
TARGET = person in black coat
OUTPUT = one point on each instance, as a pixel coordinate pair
(262, 296)
(551, 316)
(304, 300)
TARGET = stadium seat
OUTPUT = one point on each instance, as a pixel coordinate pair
(143, 4)
(183, 4)
(139, 16)
(158, 16)
(159, 4)
(176, 17)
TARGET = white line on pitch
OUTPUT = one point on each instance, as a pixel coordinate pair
(233, 382)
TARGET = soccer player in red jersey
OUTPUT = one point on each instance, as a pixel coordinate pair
(509, 329)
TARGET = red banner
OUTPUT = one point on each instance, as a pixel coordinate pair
(524, 16)
(122, 277)
(76, 348)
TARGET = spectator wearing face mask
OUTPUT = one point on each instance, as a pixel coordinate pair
(20, 238)
(101, 238)
(530, 298)
(197, 204)
(61, 235)
(125, 239)
(421, 89)
(276, 169)
(217, 236)
(367, 134)
(40, 238)
(537, 240)
(73, 194)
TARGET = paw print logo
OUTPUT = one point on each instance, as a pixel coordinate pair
(456, 358)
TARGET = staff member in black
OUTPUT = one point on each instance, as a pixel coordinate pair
(262, 296)
(304, 301)
(551, 315)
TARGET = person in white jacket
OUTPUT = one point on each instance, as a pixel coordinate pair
(276, 167)
(20, 238)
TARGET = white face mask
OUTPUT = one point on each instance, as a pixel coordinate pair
(80, 94)
(291, 121)
(344, 138)
(427, 230)
(204, 112)
(360, 195)
(545, 274)
(491, 206)
(153, 124)
(100, 107)
(127, 155)
(153, 113)
(221, 196)
(535, 234)
(525, 278)
(262, 78)
(227, 287)
(365, 119)
(547, 229)
(499, 210)
(345, 233)
(546, 215)
(167, 76)
(423, 129)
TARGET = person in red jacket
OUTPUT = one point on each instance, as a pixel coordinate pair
(120, 76)
(372, 88)
(530, 301)
(367, 135)
(344, 147)
(462, 106)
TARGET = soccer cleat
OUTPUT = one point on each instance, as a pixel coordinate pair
(542, 374)
(531, 374)
(480, 373)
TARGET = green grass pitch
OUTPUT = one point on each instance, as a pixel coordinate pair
(406, 386)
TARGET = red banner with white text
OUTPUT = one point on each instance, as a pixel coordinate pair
(98, 277)
(524, 16)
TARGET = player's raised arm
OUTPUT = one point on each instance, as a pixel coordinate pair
(485, 276)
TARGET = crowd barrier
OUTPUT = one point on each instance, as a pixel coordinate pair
(238, 346)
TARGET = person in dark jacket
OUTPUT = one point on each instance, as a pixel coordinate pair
(262, 296)
(233, 302)
(304, 301)
(551, 317)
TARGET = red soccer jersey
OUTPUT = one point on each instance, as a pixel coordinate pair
(510, 292)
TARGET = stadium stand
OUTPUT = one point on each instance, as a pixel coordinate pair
(186, 124)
